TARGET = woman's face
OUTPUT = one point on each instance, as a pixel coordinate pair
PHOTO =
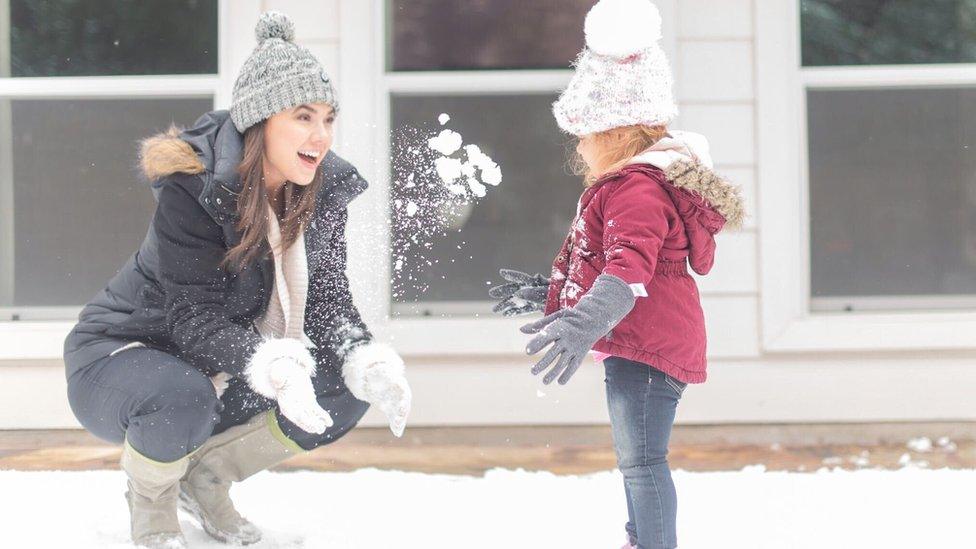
(295, 142)
(586, 147)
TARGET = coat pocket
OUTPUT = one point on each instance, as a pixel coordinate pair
(148, 320)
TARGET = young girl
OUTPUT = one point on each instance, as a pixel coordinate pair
(620, 285)
(230, 341)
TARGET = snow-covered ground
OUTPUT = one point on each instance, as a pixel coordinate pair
(750, 509)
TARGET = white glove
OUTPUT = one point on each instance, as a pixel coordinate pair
(296, 396)
(282, 369)
(374, 373)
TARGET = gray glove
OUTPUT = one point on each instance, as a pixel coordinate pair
(574, 331)
(522, 294)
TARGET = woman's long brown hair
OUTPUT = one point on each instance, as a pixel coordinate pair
(252, 204)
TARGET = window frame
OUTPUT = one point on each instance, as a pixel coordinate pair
(42, 337)
(363, 140)
(788, 323)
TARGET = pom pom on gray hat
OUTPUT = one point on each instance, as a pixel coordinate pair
(274, 24)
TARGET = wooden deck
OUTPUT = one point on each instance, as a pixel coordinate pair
(561, 450)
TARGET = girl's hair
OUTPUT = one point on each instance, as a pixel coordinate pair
(615, 147)
(252, 204)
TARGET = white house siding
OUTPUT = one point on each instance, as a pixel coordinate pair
(713, 48)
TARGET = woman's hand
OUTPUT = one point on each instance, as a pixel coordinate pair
(387, 388)
(375, 373)
(521, 294)
(282, 370)
(296, 397)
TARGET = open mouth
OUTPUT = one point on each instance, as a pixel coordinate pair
(309, 159)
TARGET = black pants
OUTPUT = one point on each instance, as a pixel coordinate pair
(165, 408)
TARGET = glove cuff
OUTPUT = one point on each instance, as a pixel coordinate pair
(267, 354)
(608, 301)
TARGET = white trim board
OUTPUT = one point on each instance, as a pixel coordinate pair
(731, 321)
(84, 87)
(500, 391)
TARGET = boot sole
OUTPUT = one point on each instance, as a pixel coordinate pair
(189, 506)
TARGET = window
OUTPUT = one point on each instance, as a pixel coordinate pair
(888, 32)
(893, 198)
(80, 209)
(485, 34)
(80, 83)
(521, 223)
(136, 37)
(512, 72)
(891, 156)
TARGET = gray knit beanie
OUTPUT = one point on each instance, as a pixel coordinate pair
(278, 75)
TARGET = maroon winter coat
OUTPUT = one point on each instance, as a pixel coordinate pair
(645, 227)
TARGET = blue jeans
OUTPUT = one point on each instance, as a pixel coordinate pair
(642, 403)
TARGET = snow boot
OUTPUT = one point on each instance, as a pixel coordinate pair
(232, 456)
(153, 491)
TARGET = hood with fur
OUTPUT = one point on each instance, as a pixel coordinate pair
(686, 161)
(212, 148)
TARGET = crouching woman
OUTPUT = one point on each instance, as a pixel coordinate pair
(229, 341)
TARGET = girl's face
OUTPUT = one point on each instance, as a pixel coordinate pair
(586, 147)
(295, 142)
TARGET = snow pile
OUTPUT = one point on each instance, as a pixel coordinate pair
(922, 444)
(437, 180)
(369, 509)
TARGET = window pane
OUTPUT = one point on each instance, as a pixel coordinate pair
(485, 34)
(893, 197)
(112, 37)
(79, 207)
(884, 32)
(520, 223)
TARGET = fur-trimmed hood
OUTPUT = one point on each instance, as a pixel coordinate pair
(686, 161)
(212, 149)
(705, 201)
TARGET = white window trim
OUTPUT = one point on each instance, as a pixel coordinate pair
(30, 340)
(788, 324)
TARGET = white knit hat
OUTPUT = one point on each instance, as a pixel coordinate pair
(622, 76)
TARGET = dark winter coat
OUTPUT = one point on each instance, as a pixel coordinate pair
(644, 227)
(173, 293)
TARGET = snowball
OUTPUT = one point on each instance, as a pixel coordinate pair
(477, 188)
(922, 444)
(448, 169)
(946, 444)
(620, 28)
(476, 157)
(447, 142)
(492, 176)
(443, 118)
(412, 208)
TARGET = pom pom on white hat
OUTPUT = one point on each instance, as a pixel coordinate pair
(623, 77)
(621, 28)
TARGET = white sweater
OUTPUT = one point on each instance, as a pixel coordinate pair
(285, 317)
